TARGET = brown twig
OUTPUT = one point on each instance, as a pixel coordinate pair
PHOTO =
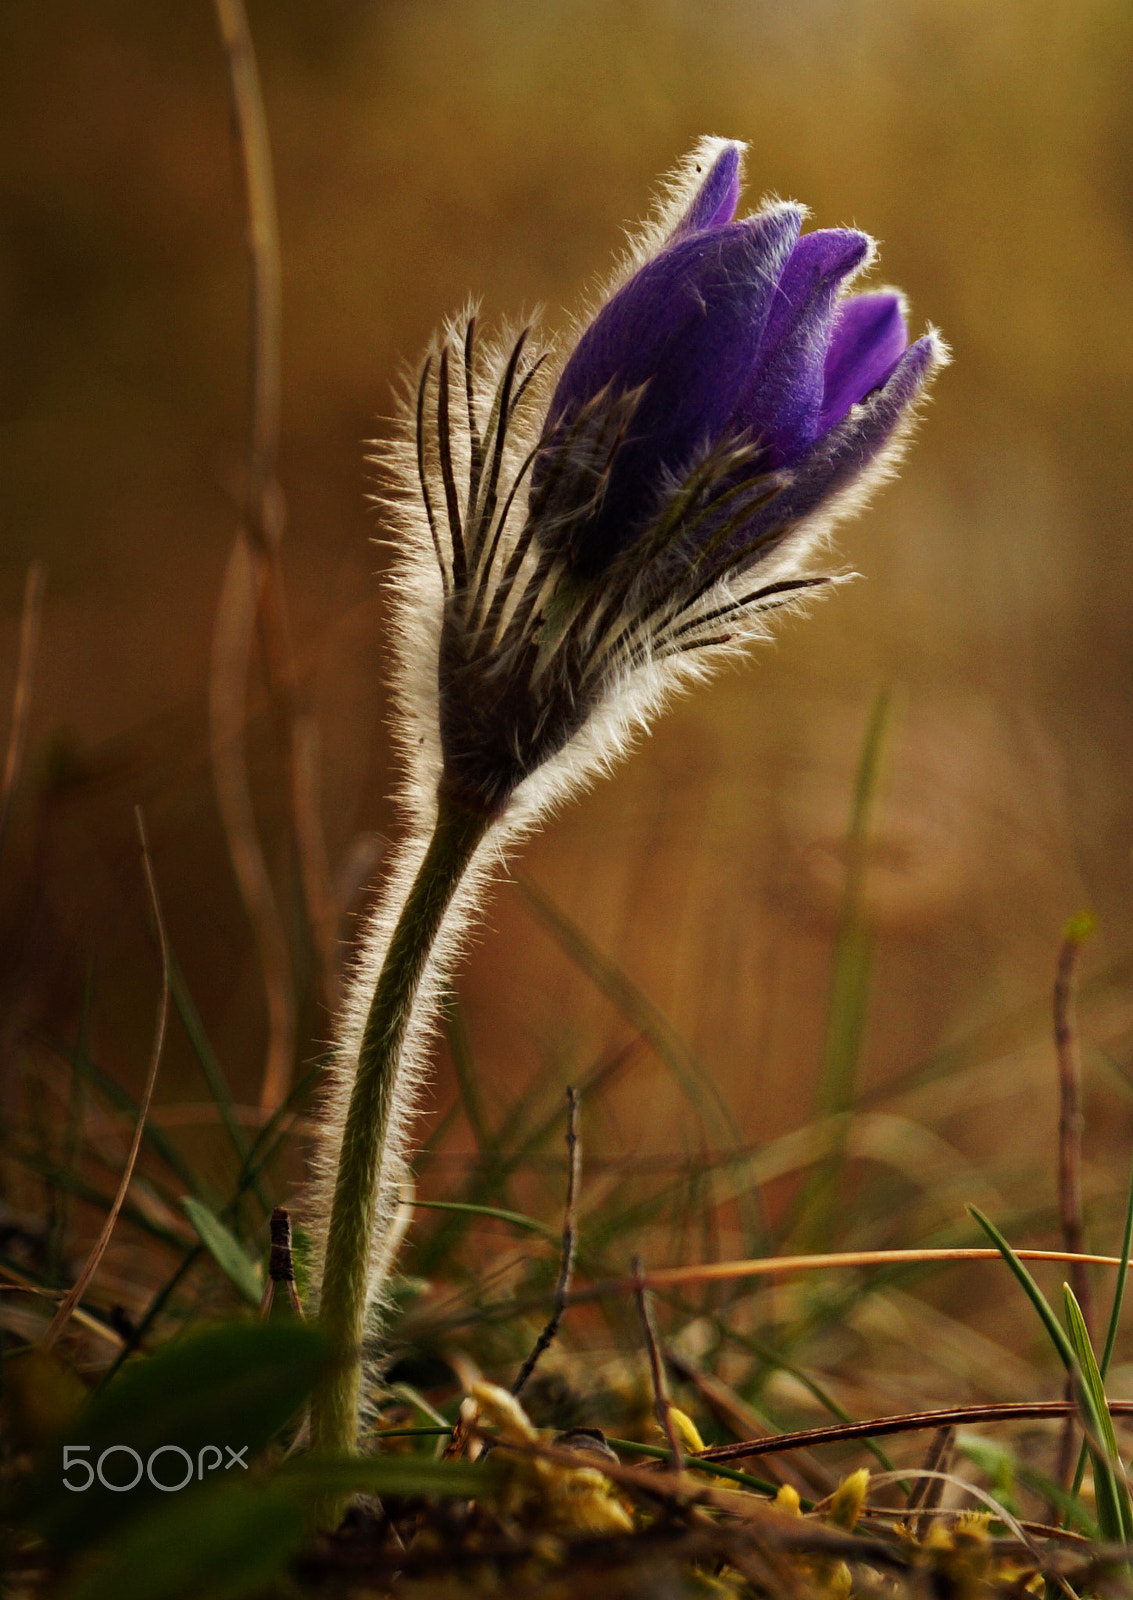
(570, 1246)
(910, 1422)
(21, 698)
(254, 593)
(928, 1492)
(281, 1264)
(661, 1401)
(82, 1283)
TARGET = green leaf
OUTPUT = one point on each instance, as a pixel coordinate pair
(223, 1544)
(230, 1386)
(225, 1249)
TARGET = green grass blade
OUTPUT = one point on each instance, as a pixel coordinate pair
(773, 1360)
(270, 1139)
(460, 1049)
(1119, 1286)
(82, 1190)
(82, 1061)
(848, 1000)
(263, 1150)
(1114, 1313)
(211, 1069)
(491, 1179)
(1115, 1512)
(696, 1084)
(1115, 1515)
(395, 1475)
(630, 1447)
(515, 1218)
(225, 1249)
(72, 1135)
(1034, 1294)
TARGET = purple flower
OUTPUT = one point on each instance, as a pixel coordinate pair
(723, 407)
(731, 334)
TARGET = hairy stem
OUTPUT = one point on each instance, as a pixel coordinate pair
(334, 1411)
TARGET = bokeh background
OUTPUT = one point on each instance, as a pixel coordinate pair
(426, 150)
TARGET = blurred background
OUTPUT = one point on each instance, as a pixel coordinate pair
(428, 150)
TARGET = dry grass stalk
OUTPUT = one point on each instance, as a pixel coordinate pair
(82, 1282)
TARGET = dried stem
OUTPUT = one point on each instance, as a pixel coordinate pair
(777, 1266)
(570, 1246)
(82, 1282)
(254, 594)
(928, 1492)
(21, 699)
(661, 1401)
(233, 638)
(12, 1278)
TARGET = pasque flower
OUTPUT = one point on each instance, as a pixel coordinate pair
(576, 541)
(725, 403)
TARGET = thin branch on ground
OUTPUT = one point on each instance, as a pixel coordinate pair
(661, 1401)
(83, 1281)
(570, 1246)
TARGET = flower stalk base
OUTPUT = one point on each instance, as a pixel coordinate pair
(342, 1311)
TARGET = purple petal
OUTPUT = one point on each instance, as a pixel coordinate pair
(842, 454)
(686, 329)
(785, 402)
(869, 339)
(716, 200)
